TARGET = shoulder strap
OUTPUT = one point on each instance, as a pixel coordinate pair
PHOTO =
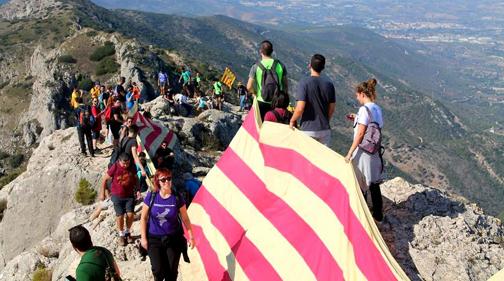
(261, 66)
(370, 114)
(277, 116)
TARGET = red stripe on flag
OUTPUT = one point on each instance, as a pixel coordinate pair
(213, 268)
(248, 256)
(328, 188)
(250, 124)
(300, 235)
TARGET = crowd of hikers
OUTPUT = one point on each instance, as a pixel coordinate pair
(164, 206)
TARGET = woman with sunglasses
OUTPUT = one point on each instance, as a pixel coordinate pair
(162, 235)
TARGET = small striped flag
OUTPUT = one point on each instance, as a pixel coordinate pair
(278, 205)
(153, 133)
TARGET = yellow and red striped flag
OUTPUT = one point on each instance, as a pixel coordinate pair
(228, 77)
(278, 205)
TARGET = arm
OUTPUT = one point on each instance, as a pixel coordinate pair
(332, 107)
(104, 186)
(361, 130)
(116, 267)
(250, 86)
(187, 224)
(137, 160)
(143, 225)
(300, 106)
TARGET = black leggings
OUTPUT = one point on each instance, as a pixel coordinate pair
(164, 258)
(376, 198)
(85, 133)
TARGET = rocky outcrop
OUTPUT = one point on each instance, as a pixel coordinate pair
(437, 237)
(18, 9)
(38, 197)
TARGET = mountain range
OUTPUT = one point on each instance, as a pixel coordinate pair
(427, 140)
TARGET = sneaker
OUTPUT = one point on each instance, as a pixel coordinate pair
(122, 241)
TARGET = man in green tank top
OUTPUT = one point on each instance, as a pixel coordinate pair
(254, 84)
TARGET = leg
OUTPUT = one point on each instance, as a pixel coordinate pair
(80, 134)
(376, 198)
(89, 140)
(157, 258)
(173, 256)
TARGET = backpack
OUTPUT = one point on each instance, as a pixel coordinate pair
(371, 143)
(270, 82)
(119, 150)
(283, 120)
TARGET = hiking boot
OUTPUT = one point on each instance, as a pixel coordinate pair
(122, 241)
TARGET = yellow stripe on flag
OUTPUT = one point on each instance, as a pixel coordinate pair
(275, 248)
(228, 77)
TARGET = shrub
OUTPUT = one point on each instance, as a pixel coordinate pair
(8, 178)
(85, 194)
(91, 33)
(3, 206)
(100, 53)
(67, 59)
(85, 84)
(16, 160)
(42, 274)
(3, 155)
(108, 65)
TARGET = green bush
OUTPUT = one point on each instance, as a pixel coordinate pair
(66, 59)
(91, 33)
(42, 274)
(3, 155)
(108, 65)
(85, 194)
(102, 52)
(9, 177)
(85, 84)
(3, 206)
(16, 160)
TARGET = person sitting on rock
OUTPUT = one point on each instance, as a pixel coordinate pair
(123, 188)
(162, 235)
(95, 261)
(182, 105)
(164, 157)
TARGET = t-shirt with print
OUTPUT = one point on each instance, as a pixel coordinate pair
(363, 116)
(318, 93)
(124, 180)
(163, 219)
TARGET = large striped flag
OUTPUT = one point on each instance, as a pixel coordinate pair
(280, 206)
(152, 133)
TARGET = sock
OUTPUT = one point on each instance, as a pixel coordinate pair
(121, 233)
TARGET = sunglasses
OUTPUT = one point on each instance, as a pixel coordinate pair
(167, 179)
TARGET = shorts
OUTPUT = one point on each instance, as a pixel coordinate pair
(162, 84)
(123, 205)
(323, 137)
(95, 134)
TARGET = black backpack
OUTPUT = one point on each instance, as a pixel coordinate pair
(119, 150)
(270, 82)
(285, 119)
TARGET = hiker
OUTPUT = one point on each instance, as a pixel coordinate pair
(73, 99)
(95, 262)
(182, 106)
(136, 93)
(369, 164)
(123, 188)
(279, 113)
(97, 127)
(103, 98)
(162, 235)
(201, 101)
(242, 94)
(197, 81)
(186, 77)
(95, 91)
(191, 186)
(218, 95)
(130, 100)
(265, 77)
(164, 157)
(316, 101)
(115, 121)
(163, 82)
(124, 128)
(142, 179)
(130, 146)
(85, 123)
